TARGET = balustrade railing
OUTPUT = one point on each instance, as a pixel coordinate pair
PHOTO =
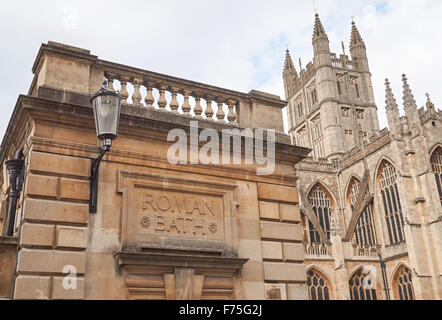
(366, 251)
(166, 96)
(318, 250)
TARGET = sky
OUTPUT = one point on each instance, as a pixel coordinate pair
(235, 44)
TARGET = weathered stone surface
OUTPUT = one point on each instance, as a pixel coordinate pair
(293, 251)
(42, 186)
(63, 165)
(37, 235)
(32, 288)
(277, 193)
(269, 210)
(71, 237)
(74, 189)
(68, 288)
(275, 271)
(297, 292)
(290, 213)
(55, 211)
(281, 231)
(272, 250)
(50, 261)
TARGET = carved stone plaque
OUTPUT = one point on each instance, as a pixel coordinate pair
(169, 212)
(178, 214)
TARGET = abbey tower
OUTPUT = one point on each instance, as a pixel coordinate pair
(370, 198)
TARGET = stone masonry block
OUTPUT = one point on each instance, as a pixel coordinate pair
(269, 210)
(74, 189)
(37, 235)
(281, 231)
(70, 237)
(290, 213)
(41, 186)
(277, 193)
(297, 292)
(68, 288)
(274, 271)
(63, 165)
(50, 261)
(56, 211)
(293, 251)
(272, 250)
(32, 288)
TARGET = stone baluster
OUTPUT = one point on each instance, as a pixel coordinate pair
(110, 81)
(124, 94)
(186, 105)
(162, 102)
(232, 115)
(174, 104)
(220, 113)
(209, 110)
(136, 97)
(149, 96)
(198, 109)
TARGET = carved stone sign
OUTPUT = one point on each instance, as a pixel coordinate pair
(178, 214)
(168, 212)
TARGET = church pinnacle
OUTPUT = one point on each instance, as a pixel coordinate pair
(390, 101)
(319, 31)
(356, 38)
(409, 101)
(288, 64)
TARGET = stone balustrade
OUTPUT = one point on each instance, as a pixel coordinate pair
(366, 251)
(317, 250)
(168, 96)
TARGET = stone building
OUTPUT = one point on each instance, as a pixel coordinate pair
(370, 199)
(162, 230)
(359, 219)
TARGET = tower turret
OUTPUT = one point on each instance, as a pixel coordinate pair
(410, 105)
(358, 49)
(289, 74)
(334, 145)
(392, 109)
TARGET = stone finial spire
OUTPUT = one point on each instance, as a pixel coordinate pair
(392, 108)
(356, 38)
(430, 105)
(409, 101)
(319, 31)
(288, 64)
(390, 101)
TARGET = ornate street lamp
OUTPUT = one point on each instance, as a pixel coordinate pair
(107, 106)
(15, 171)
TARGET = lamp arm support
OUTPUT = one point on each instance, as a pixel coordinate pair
(93, 195)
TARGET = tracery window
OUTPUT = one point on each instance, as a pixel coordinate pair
(391, 203)
(322, 207)
(318, 285)
(362, 286)
(317, 136)
(436, 165)
(403, 284)
(365, 234)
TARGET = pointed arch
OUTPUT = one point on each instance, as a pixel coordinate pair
(354, 180)
(326, 188)
(319, 284)
(322, 204)
(403, 283)
(386, 184)
(363, 284)
(436, 167)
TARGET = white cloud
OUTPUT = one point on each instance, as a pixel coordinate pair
(235, 44)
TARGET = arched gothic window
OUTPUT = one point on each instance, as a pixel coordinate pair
(362, 286)
(319, 287)
(322, 207)
(436, 165)
(365, 234)
(391, 203)
(403, 284)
